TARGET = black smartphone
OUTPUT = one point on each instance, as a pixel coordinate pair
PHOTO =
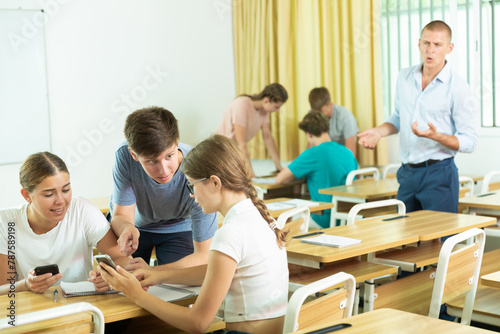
(106, 259)
(51, 268)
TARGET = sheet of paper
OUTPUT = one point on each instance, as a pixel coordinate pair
(301, 202)
(77, 287)
(166, 293)
(275, 206)
(264, 180)
(331, 240)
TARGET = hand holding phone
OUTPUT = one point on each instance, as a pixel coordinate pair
(51, 268)
(106, 259)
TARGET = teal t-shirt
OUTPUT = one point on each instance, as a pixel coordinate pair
(323, 166)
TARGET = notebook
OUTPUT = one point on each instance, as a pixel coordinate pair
(331, 240)
(84, 288)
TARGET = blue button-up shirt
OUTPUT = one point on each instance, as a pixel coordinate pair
(447, 102)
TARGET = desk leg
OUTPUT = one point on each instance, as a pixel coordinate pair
(355, 309)
(334, 212)
(370, 296)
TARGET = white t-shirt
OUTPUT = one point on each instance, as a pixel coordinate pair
(259, 289)
(69, 244)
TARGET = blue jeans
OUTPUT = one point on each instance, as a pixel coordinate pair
(170, 247)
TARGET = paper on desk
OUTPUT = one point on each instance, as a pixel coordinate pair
(264, 180)
(285, 205)
(302, 202)
(172, 292)
(331, 240)
(84, 288)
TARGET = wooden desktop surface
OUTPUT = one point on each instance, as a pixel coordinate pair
(314, 209)
(388, 321)
(114, 307)
(491, 202)
(376, 234)
(491, 280)
(277, 185)
(366, 190)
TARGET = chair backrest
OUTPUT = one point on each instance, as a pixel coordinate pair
(56, 312)
(300, 220)
(458, 272)
(390, 170)
(351, 217)
(332, 306)
(467, 186)
(487, 184)
(260, 192)
(362, 171)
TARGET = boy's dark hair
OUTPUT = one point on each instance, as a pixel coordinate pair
(315, 123)
(318, 98)
(150, 131)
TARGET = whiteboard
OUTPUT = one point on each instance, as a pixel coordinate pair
(24, 107)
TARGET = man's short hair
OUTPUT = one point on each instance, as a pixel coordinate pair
(437, 25)
(319, 97)
(315, 123)
(150, 131)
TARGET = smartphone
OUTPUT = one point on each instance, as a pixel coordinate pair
(106, 259)
(51, 268)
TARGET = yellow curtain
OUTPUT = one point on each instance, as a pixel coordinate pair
(304, 44)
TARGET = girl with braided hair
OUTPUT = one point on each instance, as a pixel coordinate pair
(247, 264)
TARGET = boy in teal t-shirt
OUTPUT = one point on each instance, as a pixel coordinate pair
(325, 164)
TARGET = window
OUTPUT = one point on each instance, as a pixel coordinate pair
(473, 56)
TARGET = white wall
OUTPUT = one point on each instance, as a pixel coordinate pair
(109, 58)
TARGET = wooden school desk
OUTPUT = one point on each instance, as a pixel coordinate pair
(389, 321)
(378, 234)
(115, 307)
(492, 280)
(317, 209)
(485, 204)
(275, 190)
(359, 192)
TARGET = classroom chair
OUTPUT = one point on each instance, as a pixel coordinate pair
(487, 184)
(299, 220)
(260, 192)
(331, 306)
(486, 304)
(373, 171)
(466, 187)
(57, 312)
(457, 273)
(353, 212)
(390, 170)
(343, 207)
